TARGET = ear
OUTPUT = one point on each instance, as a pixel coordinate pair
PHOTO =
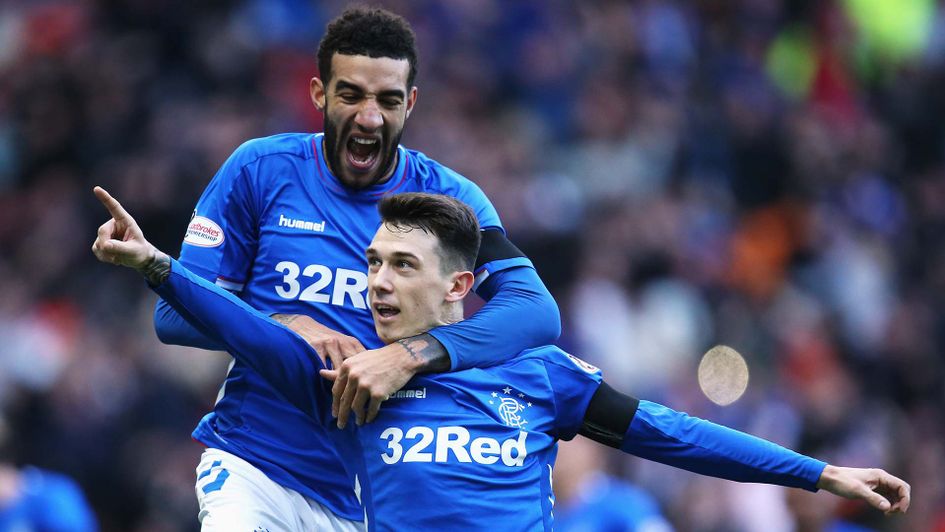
(462, 283)
(411, 99)
(317, 90)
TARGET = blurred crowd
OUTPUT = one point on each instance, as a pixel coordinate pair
(765, 174)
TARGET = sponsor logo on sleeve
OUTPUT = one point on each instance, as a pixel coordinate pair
(203, 232)
(583, 365)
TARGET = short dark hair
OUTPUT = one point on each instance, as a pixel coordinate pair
(373, 32)
(451, 221)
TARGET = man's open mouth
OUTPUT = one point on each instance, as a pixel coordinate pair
(363, 152)
(385, 311)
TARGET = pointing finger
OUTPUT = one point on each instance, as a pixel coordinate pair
(114, 208)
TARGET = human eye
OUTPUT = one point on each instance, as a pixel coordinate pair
(349, 97)
(391, 103)
(404, 264)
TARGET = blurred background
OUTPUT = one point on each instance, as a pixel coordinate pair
(767, 174)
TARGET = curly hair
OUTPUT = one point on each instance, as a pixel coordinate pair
(373, 32)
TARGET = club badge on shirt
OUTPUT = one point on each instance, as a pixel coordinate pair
(510, 408)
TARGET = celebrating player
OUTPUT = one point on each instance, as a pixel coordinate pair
(284, 224)
(480, 444)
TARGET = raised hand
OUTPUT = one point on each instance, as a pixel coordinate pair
(120, 240)
(877, 487)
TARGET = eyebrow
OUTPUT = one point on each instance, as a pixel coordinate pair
(345, 85)
(371, 252)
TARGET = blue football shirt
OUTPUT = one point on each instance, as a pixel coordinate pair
(47, 501)
(276, 226)
(454, 451)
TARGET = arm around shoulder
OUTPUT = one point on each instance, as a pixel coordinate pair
(520, 313)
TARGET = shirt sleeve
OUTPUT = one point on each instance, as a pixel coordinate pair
(674, 438)
(171, 328)
(219, 243)
(519, 314)
(279, 355)
(573, 384)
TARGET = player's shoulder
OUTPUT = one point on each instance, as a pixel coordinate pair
(552, 354)
(435, 176)
(283, 144)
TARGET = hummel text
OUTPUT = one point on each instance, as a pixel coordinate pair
(318, 227)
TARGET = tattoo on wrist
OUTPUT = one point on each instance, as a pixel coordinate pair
(157, 269)
(285, 319)
(428, 352)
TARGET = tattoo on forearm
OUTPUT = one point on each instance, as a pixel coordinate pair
(285, 319)
(156, 270)
(428, 351)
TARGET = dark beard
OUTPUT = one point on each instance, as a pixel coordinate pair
(333, 153)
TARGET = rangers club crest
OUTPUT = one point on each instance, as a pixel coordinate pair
(511, 407)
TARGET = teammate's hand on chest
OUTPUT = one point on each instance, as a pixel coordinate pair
(330, 345)
(367, 379)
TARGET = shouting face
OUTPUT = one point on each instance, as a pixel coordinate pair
(366, 104)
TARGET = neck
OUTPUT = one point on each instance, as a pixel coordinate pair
(453, 313)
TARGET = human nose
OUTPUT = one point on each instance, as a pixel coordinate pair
(369, 116)
(380, 280)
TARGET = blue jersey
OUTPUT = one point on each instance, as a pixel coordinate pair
(608, 504)
(478, 446)
(275, 225)
(47, 501)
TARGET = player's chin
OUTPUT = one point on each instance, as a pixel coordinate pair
(355, 179)
(387, 334)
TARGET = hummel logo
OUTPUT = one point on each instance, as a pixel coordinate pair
(318, 227)
(410, 394)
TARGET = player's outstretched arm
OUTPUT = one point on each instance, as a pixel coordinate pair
(279, 355)
(655, 432)
(173, 329)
